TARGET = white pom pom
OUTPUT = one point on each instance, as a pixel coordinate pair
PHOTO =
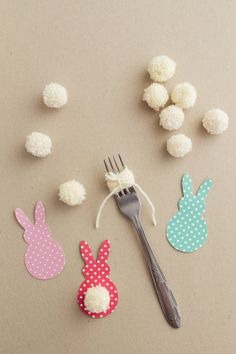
(215, 121)
(172, 117)
(55, 95)
(72, 193)
(161, 68)
(38, 144)
(184, 95)
(179, 145)
(97, 299)
(155, 96)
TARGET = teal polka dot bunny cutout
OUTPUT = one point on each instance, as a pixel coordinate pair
(187, 230)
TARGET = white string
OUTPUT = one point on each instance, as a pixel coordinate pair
(149, 202)
(118, 181)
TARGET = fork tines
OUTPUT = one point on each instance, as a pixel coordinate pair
(114, 165)
(117, 166)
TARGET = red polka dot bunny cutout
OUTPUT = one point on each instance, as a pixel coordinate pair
(97, 295)
(44, 258)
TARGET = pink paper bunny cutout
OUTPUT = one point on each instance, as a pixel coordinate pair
(44, 258)
(96, 273)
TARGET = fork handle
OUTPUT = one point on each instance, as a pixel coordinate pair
(164, 293)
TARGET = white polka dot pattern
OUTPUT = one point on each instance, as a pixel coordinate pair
(96, 272)
(187, 230)
(44, 258)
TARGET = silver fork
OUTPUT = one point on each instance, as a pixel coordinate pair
(130, 206)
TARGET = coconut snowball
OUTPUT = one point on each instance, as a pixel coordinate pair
(171, 117)
(97, 299)
(184, 95)
(179, 145)
(161, 68)
(55, 95)
(215, 121)
(72, 193)
(38, 144)
(155, 96)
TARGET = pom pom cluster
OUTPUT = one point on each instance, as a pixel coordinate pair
(183, 96)
(40, 145)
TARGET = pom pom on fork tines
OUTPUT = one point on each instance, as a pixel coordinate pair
(118, 178)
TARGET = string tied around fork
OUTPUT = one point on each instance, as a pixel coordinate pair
(116, 182)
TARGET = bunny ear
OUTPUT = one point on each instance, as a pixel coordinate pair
(22, 219)
(104, 251)
(187, 185)
(86, 252)
(39, 213)
(204, 188)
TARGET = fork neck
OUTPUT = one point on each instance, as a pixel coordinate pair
(141, 233)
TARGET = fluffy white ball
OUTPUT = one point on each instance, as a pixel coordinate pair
(72, 193)
(55, 95)
(161, 68)
(179, 145)
(97, 299)
(38, 144)
(171, 117)
(155, 96)
(215, 121)
(184, 95)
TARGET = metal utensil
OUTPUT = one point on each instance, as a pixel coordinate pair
(130, 206)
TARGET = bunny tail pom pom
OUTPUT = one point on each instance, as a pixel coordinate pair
(55, 95)
(38, 144)
(72, 193)
(184, 95)
(97, 299)
(161, 68)
(215, 121)
(155, 96)
(179, 145)
(172, 117)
